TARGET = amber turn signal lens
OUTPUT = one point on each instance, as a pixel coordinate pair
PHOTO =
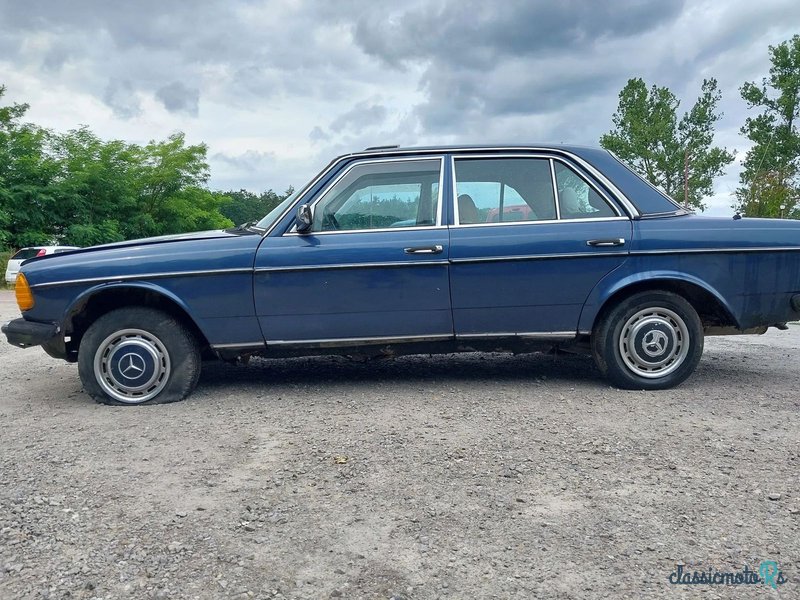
(23, 292)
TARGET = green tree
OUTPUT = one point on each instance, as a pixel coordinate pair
(771, 174)
(96, 187)
(26, 172)
(75, 188)
(243, 206)
(674, 154)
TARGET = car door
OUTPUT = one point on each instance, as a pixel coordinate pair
(373, 267)
(532, 235)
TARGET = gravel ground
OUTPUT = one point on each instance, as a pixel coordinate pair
(485, 476)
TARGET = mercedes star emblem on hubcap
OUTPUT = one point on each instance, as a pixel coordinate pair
(654, 342)
(131, 366)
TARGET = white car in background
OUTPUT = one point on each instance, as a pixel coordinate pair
(16, 261)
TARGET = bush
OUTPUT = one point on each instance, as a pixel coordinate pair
(4, 256)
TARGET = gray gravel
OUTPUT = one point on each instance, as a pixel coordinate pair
(485, 476)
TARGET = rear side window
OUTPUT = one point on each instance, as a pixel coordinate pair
(26, 253)
(504, 190)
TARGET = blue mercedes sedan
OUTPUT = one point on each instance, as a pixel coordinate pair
(421, 250)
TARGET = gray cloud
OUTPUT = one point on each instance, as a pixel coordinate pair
(517, 57)
(360, 116)
(178, 98)
(121, 98)
(479, 33)
(318, 134)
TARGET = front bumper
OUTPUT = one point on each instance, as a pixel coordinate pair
(22, 333)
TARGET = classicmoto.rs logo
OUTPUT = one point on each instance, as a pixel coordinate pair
(768, 573)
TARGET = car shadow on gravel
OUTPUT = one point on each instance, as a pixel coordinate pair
(451, 368)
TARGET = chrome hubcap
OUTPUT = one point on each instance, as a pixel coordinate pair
(132, 366)
(654, 342)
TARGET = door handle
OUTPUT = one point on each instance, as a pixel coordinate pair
(605, 243)
(437, 249)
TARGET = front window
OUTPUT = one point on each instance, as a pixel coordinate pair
(381, 195)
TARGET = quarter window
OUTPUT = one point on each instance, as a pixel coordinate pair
(576, 198)
(379, 195)
(501, 190)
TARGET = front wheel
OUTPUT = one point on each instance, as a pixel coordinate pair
(138, 355)
(650, 340)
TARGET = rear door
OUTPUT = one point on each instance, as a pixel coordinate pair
(532, 236)
(374, 267)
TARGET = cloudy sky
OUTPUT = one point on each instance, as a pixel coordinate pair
(276, 89)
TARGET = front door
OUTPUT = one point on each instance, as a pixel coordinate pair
(372, 268)
(532, 237)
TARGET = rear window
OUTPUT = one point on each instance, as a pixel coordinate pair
(26, 253)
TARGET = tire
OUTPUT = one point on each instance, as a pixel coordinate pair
(138, 355)
(649, 341)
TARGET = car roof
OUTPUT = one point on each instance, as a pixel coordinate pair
(396, 149)
(632, 188)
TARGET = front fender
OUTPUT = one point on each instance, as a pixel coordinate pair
(78, 304)
(81, 299)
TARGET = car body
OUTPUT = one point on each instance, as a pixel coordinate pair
(15, 262)
(375, 256)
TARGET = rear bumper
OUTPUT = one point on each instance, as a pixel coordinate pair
(22, 333)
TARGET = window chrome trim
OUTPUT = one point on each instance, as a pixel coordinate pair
(554, 183)
(611, 201)
(454, 190)
(143, 276)
(633, 212)
(387, 264)
(346, 231)
(542, 222)
(357, 163)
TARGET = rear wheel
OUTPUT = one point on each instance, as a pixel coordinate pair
(138, 355)
(651, 340)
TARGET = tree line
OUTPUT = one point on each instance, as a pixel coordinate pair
(77, 189)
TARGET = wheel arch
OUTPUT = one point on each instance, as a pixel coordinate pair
(99, 300)
(709, 304)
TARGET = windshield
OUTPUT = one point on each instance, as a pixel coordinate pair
(276, 212)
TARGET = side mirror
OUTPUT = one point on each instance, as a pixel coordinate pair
(304, 218)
